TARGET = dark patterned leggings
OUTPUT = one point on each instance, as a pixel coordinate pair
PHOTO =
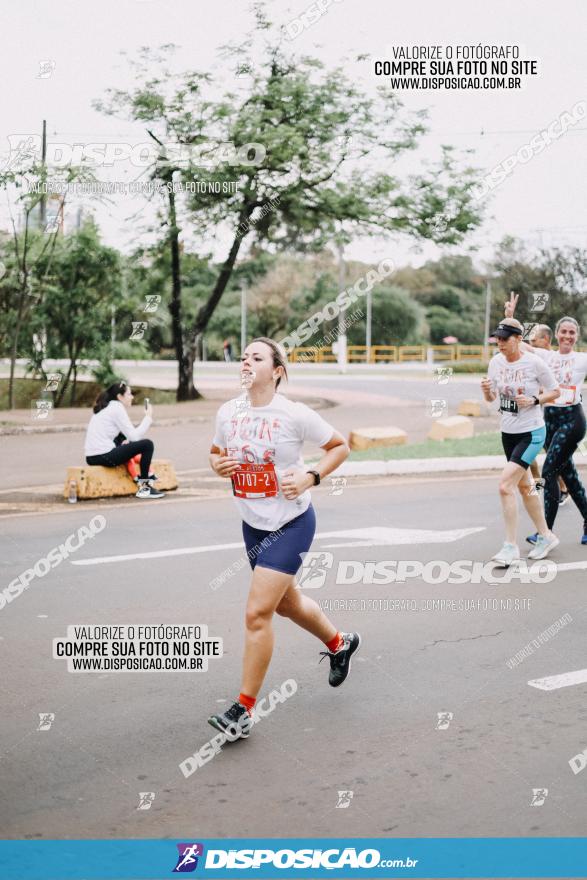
(565, 428)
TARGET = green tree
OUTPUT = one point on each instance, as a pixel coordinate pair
(83, 280)
(321, 138)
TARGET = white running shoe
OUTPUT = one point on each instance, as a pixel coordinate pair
(508, 554)
(543, 546)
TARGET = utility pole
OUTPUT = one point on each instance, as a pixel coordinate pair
(368, 326)
(243, 318)
(43, 202)
(487, 318)
(341, 339)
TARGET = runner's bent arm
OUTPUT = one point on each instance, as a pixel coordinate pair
(298, 482)
(221, 464)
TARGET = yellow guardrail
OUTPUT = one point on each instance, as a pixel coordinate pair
(314, 354)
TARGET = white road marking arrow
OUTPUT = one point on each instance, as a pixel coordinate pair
(373, 537)
(381, 536)
(554, 682)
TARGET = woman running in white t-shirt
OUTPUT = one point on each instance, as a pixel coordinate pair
(522, 383)
(258, 445)
(564, 418)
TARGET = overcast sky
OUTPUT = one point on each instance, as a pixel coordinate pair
(542, 201)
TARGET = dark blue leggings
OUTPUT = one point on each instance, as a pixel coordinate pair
(565, 428)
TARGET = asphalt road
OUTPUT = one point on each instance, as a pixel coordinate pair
(357, 401)
(116, 735)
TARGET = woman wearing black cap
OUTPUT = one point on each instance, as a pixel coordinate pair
(523, 383)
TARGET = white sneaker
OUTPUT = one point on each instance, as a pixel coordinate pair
(543, 546)
(508, 554)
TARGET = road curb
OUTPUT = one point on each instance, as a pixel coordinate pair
(423, 466)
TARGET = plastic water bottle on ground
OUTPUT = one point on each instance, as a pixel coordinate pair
(72, 492)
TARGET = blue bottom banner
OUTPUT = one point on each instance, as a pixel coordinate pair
(286, 857)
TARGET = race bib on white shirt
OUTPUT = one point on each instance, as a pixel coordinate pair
(522, 378)
(569, 371)
(268, 440)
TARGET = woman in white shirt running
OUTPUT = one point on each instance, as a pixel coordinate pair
(111, 419)
(258, 445)
(564, 417)
(522, 382)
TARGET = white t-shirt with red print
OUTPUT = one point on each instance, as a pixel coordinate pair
(569, 371)
(526, 376)
(273, 433)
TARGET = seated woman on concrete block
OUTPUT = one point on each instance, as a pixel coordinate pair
(112, 439)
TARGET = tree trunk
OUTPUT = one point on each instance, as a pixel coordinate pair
(14, 351)
(207, 310)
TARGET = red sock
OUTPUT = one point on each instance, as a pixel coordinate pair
(247, 702)
(335, 643)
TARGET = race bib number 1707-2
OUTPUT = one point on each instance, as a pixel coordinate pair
(255, 481)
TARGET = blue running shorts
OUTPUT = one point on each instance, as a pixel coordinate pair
(281, 549)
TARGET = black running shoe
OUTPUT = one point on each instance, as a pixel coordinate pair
(147, 491)
(340, 661)
(235, 723)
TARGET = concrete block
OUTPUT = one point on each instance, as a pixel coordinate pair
(365, 438)
(470, 407)
(451, 428)
(101, 482)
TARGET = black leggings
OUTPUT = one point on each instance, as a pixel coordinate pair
(565, 428)
(121, 454)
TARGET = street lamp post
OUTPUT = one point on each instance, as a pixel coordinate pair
(341, 337)
(368, 326)
(243, 318)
